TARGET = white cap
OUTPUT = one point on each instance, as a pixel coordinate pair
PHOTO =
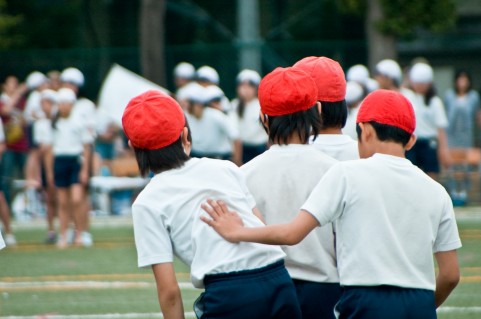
(197, 94)
(358, 73)
(391, 69)
(35, 79)
(66, 95)
(421, 73)
(184, 70)
(72, 75)
(184, 92)
(207, 73)
(213, 92)
(249, 76)
(354, 92)
(372, 85)
(48, 94)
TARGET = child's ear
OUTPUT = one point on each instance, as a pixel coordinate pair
(130, 144)
(410, 144)
(264, 119)
(185, 140)
(319, 107)
(367, 132)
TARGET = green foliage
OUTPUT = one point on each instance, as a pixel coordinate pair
(403, 17)
(8, 23)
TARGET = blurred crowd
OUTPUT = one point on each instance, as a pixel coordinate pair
(55, 139)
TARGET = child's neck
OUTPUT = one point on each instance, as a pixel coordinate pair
(390, 148)
(331, 131)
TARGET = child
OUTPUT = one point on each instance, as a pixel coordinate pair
(282, 178)
(331, 85)
(245, 111)
(354, 96)
(42, 136)
(241, 280)
(391, 218)
(69, 146)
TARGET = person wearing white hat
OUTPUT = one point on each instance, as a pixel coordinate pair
(68, 144)
(245, 112)
(83, 112)
(42, 132)
(358, 73)
(431, 147)
(184, 72)
(207, 75)
(213, 134)
(354, 96)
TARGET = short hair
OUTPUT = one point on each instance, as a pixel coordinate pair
(333, 114)
(303, 123)
(163, 159)
(387, 133)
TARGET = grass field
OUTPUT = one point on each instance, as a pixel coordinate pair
(39, 282)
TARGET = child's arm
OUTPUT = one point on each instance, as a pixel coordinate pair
(229, 225)
(168, 291)
(448, 276)
(84, 171)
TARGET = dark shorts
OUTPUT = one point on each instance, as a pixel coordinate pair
(381, 302)
(424, 155)
(317, 300)
(66, 170)
(106, 150)
(251, 151)
(262, 293)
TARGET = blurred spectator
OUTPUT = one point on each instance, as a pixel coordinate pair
(184, 73)
(105, 143)
(207, 76)
(54, 80)
(354, 96)
(431, 146)
(245, 112)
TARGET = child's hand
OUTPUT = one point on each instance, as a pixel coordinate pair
(226, 223)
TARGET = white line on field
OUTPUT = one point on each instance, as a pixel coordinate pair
(84, 284)
(99, 316)
(460, 309)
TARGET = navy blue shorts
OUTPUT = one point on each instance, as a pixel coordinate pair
(317, 300)
(262, 293)
(66, 170)
(424, 155)
(381, 302)
(251, 151)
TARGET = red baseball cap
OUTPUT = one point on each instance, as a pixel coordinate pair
(328, 75)
(389, 108)
(153, 120)
(286, 91)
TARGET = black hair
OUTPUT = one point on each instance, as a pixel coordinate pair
(303, 123)
(242, 104)
(333, 114)
(387, 133)
(460, 73)
(429, 94)
(163, 159)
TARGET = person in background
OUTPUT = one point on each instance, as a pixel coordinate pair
(354, 96)
(83, 112)
(389, 77)
(463, 113)
(207, 76)
(184, 73)
(360, 74)
(245, 112)
(67, 166)
(431, 146)
(54, 80)
(42, 135)
(107, 134)
(331, 84)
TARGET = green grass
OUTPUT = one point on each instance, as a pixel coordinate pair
(113, 259)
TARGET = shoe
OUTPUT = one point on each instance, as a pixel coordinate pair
(62, 242)
(70, 236)
(10, 240)
(86, 240)
(51, 238)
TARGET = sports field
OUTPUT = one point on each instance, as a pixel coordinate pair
(39, 282)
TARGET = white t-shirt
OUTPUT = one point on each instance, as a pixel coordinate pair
(213, 133)
(429, 118)
(167, 221)
(350, 128)
(42, 131)
(338, 146)
(281, 179)
(68, 137)
(2, 242)
(391, 218)
(33, 108)
(84, 110)
(250, 128)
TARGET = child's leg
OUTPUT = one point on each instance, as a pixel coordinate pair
(78, 208)
(63, 214)
(50, 193)
(5, 214)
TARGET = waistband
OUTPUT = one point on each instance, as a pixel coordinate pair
(67, 157)
(245, 274)
(382, 288)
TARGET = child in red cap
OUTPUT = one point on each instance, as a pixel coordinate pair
(240, 280)
(390, 216)
(282, 178)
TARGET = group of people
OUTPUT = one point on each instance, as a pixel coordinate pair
(49, 135)
(358, 223)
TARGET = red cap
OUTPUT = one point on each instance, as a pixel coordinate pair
(286, 91)
(153, 120)
(328, 75)
(389, 108)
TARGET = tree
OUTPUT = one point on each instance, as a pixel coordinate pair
(152, 56)
(387, 20)
(8, 22)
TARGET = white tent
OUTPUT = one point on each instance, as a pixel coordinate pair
(119, 87)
